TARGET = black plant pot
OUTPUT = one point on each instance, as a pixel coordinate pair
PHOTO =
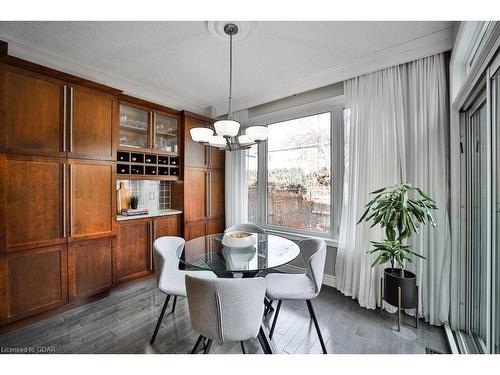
(408, 284)
(133, 205)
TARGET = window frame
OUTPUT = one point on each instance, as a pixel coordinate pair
(335, 107)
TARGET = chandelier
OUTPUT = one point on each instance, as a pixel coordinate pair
(227, 131)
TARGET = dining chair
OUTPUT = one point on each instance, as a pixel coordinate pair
(248, 227)
(171, 280)
(226, 310)
(306, 286)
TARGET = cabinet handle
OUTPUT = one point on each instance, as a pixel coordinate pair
(207, 194)
(210, 193)
(71, 223)
(65, 115)
(153, 130)
(151, 234)
(71, 119)
(64, 200)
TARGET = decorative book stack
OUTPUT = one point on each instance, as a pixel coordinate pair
(132, 212)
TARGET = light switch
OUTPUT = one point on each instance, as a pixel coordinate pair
(151, 195)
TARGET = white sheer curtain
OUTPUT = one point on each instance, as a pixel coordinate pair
(236, 181)
(398, 133)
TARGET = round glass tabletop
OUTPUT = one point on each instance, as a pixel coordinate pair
(208, 253)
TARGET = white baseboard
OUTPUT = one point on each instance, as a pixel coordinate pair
(290, 268)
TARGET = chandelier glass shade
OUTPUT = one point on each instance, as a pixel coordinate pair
(227, 130)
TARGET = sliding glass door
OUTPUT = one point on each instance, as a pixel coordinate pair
(495, 117)
(478, 220)
(480, 323)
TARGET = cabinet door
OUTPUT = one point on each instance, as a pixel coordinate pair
(32, 281)
(195, 194)
(216, 181)
(216, 226)
(91, 199)
(167, 226)
(89, 267)
(33, 197)
(217, 158)
(91, 124)
(166, 133)
(134, 127)
(31, 113)
(194, 230)
(194, 153)
(133, 255)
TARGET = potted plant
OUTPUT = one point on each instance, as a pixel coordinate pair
(400, 210)
(134, 201)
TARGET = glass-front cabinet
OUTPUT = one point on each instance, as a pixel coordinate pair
(141, 128)
(134, 124)
(165, 133)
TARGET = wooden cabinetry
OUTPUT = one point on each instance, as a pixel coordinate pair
(92, 116)
(134, 253)
(203, 183)
(195, 194)
(32, 113)
(166, 226)
(195, 154)
(195, 229)
(48, 116)
(91, 199)
(32, 281)
(33, 197)
(216, 198)
(90, 269)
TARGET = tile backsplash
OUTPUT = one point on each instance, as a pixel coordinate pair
(153, 195)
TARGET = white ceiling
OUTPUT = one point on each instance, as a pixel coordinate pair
(184, 66)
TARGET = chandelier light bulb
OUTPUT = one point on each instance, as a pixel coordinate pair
(201, 134)
(257, 133)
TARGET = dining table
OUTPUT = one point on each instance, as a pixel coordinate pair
(268, 252)
(210, 254)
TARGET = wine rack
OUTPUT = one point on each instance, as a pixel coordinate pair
(147, 165)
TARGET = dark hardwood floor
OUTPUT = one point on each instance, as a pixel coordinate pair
(124, 323)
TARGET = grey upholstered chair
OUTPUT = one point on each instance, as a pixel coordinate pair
(170, 278)
(306, 286)
(226, 310)
(252, 228)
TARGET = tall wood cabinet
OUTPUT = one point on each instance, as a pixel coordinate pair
(57, 221)
(203, 183)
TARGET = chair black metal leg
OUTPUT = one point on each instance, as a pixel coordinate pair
(175, 301)
(313, 316)
(275, 319)
(160, 318)
(264, 342)
(195, 348)
(207, 346)
(242, 348)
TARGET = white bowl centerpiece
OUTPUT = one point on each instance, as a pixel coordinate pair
(239, 239)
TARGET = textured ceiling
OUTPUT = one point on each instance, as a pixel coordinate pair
(187, 64)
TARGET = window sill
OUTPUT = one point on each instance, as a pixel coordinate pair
(330, 242)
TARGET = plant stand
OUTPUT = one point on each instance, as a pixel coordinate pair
(399, 304)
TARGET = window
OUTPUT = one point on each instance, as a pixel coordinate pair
(295, 178)
(298, 173)
(251, 166)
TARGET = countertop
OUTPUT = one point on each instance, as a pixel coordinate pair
(150, 214)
